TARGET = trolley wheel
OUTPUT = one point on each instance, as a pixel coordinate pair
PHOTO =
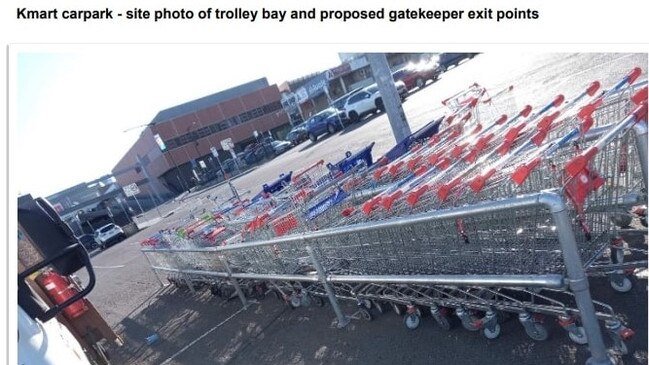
(492, 334)
(365, 314)
(380, 307)
(214, 289)
(317, 301)
(444, 322)
(621, 220)
(579, 337)
(398, 309)
(295, 301)
(366, 303)
(623, 287)
(412, 321)
(469, 326)
(538, 332)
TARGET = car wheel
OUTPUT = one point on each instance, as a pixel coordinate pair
(379, 104)
(353, 116)
(331, 128)
(313, 137)
(420, 83)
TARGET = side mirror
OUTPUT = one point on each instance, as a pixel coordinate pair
(44, 239)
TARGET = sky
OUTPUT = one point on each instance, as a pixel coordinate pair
(74, 103)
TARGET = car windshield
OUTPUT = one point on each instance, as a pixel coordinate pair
(397, 75)
(106, 228)
(372, 89)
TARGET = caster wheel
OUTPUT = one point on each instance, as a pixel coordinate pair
(492, 334)
(623, 287)
(305, 300)
(412, 321)
(366, 303)
(444, 323)
(538, 332)
(317, 301)
(579, 337)
(295, 301)
(365, 314)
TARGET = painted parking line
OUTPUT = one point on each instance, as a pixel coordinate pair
(203, 336)
(108, 267)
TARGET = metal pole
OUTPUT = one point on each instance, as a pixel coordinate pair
(389, 95)
(234, 281)
(128, 216)
(342, 319)
(577, 280)
(640, 131)
(182, 181)
(138, 204)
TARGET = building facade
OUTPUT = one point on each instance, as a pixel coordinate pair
(189, 133)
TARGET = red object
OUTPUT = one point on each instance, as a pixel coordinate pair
(389, 200)
(526, 111)
(59, 289)
(633, 75)
(581, 185)
(478, 182)
(640, 97)
(445, 189)
(522, 172)
(587, 110)
(414, 196)
(284, 224)
(578, 164)
(592, 89)
(558, 100)
(501, 120)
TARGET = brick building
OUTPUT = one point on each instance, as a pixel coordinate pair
(189, 131)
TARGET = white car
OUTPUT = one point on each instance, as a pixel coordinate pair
(108, 235)
(368, 100)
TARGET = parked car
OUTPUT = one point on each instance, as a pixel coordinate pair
(256, 152)
(327, 121)
(416, 75)
(109, 234)
(281, 146)
(298, 134)
(340, 102)
(448, 60)
(368, 100)
(88, 241)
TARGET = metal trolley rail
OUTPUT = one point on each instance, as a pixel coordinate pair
(506, 249)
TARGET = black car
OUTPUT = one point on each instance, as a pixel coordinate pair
(298, 134)
(88, 241)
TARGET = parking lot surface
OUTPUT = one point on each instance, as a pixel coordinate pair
(198, 328)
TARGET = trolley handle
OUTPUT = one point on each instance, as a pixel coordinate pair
(578, 163)
(307, 169)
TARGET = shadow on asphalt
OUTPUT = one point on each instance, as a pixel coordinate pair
(218, 332)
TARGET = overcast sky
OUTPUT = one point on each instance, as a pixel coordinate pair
(73, 103)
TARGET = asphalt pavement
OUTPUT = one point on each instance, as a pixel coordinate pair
(198, 328)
